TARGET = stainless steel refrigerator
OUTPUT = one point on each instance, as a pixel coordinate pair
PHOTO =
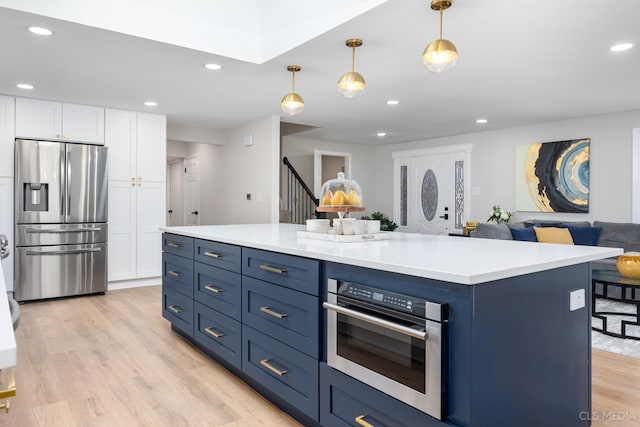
(61, 219)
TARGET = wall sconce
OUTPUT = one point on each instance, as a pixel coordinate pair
(440, 55)
(352, 84)
(292, 103)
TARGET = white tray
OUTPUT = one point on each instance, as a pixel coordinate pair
(344, 238)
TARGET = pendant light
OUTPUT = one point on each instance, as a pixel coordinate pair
(440, 55)
(292, 103)
(352, 84)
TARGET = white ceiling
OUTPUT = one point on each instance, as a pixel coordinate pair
(520, 63)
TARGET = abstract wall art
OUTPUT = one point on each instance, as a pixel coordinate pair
(553, 176)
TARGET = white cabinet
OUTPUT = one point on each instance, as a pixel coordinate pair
(7, 136)
(137, 146)
(6, 227)
(137, 193)
(58, 121)
(151, 151)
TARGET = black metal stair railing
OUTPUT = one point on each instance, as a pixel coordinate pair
(299, 200)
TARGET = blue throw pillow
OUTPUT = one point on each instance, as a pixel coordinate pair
(585, 235)
(524, 234)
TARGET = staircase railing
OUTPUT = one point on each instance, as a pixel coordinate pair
(300, 200)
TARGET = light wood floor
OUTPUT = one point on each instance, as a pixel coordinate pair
(112, 361)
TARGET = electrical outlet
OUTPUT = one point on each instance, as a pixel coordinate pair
(248, 196)
(576, 299)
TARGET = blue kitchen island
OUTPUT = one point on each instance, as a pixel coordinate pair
(515, 347)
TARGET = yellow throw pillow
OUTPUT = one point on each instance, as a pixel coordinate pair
(553, 235)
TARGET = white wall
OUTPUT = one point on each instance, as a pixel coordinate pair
(493, 165)
(251, 169)
(299, 151)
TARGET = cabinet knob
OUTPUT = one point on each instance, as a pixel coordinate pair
(57, 135)
(139, 185)
(65, 136)
(133, 184)
(139, 178)
(133, 178)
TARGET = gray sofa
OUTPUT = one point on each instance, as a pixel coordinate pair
(612, 234)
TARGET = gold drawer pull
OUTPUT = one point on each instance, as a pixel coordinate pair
(360, 420)
(213, 333)
(272, 269)
(174, 273)
(173, 245)
(269, 366)
(213, 255)
(270, 312)
(176, 310)
(214, 290)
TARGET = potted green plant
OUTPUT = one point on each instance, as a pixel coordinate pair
(385, 223)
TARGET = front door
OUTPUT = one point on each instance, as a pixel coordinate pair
(429, 194)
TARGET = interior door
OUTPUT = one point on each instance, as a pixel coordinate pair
(429, 188)
(192, 191)
(175, 193)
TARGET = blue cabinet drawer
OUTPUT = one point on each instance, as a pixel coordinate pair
(301, 274)
(177, 245)
(218, 333)
(221, 255)
(178, 309)
(219, 289)
(344, 401)
(284, 314)
(177, 274)
(290, 374)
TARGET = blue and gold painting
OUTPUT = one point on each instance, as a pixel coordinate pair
(553, 176)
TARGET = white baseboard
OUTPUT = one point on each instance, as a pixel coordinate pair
(135, 283)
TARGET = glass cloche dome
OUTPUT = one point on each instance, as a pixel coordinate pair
(341, 192)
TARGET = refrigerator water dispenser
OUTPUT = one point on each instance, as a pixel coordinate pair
(35, 197)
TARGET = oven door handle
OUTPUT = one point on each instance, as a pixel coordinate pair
(422, 335)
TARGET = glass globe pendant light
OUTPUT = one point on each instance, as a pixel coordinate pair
(292, 103)
(440, 55)
(352, 84)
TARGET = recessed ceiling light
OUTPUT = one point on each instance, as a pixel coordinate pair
(621, 47)
(24, 86)
(381, 134)
(482, 121)
(213, 66)
(393, 102)
(151, 103)
(40, 31)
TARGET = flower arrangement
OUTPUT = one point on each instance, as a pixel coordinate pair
(499, 215)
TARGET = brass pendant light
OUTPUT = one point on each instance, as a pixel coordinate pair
(292, 103)
(440, 55)
(352, 84)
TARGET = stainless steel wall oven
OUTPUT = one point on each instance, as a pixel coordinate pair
(392, 342)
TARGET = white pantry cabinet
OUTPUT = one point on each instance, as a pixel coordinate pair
(51, 120)
(137, 193)
(136, 213)
(6, 227)
(7, 136)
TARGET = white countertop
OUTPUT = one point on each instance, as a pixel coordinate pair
(453, 259)
(8, 353)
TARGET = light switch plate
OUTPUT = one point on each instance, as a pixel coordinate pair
(576, 299)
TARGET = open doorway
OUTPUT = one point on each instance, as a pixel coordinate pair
(183, 191)
(326, 165)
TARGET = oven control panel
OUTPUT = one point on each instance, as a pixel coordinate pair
(386, 298)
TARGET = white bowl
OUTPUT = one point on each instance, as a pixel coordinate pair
(373, 226)
(318, 225)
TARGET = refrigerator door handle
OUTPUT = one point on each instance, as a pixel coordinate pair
(69, 252)
(63, 182)
(63, 230)
(67, 190)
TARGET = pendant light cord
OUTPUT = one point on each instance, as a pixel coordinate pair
(440, 22)
(293, 82)
(353, 58)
